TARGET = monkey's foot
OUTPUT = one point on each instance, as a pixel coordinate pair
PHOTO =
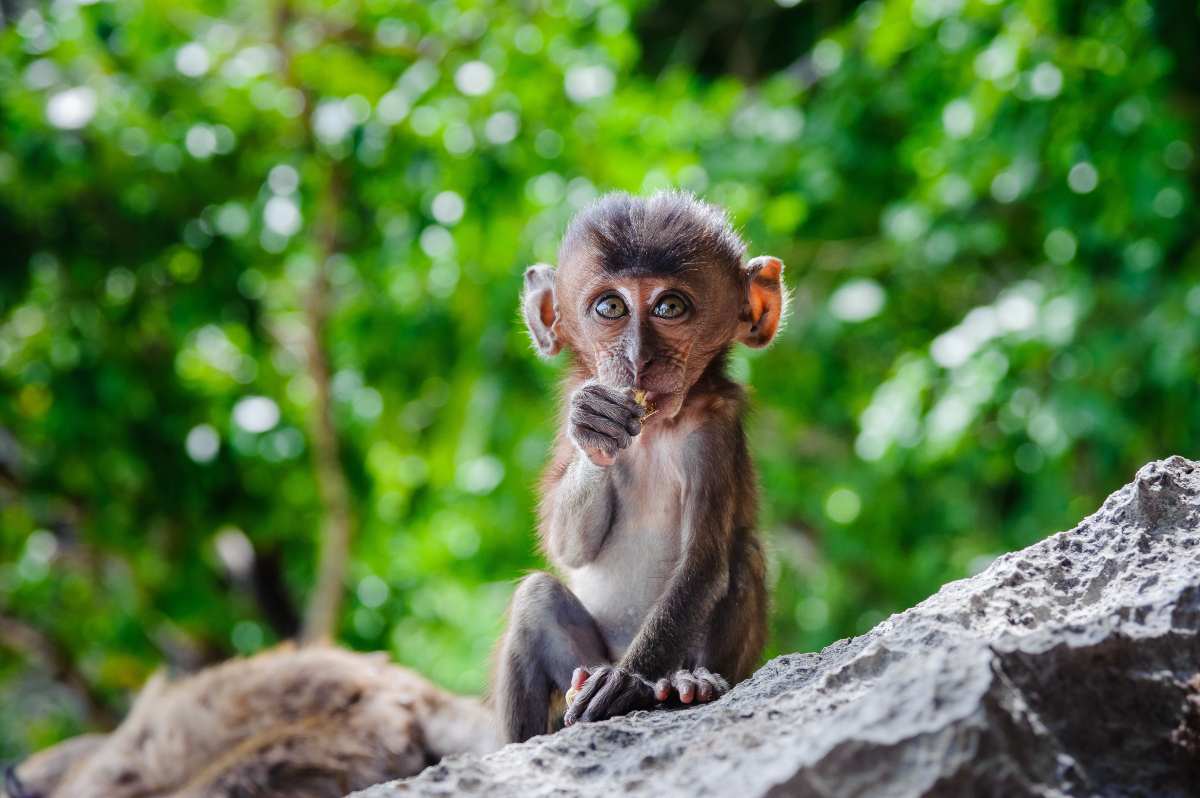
(606, 692)
(699, 685)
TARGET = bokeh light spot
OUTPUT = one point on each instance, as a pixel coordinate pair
(474, 78)
(192, 60)
(71, 109)
(843, 505)
(256, 413)
(857, 300)
(202, 443)
(1083, 178)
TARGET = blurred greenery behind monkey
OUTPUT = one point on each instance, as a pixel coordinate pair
(259, 260)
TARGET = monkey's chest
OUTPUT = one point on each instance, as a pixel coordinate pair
(621, 585)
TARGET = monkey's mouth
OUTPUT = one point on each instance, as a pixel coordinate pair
(655, 402)
(660, 392)
(656, 397)
(653, 397)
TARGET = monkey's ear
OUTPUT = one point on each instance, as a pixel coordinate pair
(763, 306)
(539, 304)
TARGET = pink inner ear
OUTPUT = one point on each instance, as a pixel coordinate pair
(770, 270)
(764, 301)
(546, 309)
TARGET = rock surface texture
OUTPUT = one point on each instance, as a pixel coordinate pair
(1066, 669)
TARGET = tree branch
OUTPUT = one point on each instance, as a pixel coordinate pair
(325, 601)
(320, 623)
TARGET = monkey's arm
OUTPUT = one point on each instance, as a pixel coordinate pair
(662, 645)
(577, 511)
(578, 494)
(701, 577)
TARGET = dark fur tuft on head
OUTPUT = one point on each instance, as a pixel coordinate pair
(667, 233)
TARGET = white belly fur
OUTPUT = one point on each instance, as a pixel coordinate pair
(628, 576)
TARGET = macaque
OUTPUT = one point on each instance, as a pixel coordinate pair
(314, 722)
(648, 507)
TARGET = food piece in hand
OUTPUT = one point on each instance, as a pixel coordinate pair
(639, 396)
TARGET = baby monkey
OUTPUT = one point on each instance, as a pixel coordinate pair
(649, 504)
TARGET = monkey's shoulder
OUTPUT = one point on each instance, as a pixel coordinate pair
(718, 399)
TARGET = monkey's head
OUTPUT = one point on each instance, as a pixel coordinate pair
(648, 291)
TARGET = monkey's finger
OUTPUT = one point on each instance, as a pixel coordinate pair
(579, 677)
(715, 680)
(599, 418)
(576, 709)
(617, 403)
(617, 412)
(600, 707)
(605, 427)
(584, 696)
(632, 697)
(662, 689)
(618, 397)
(620, 394)
(685, 685)
(595, 444)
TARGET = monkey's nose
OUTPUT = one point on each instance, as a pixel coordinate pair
(640, 372)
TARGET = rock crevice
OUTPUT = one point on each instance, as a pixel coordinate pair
(1069, 668)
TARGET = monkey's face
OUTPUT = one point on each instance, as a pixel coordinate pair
(656, 333)
(649, 291)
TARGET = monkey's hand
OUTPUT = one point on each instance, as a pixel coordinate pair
(699, 686)
(605, 693)
(603, 420)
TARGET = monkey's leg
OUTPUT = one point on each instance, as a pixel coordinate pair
(550, 633)
(735, 638)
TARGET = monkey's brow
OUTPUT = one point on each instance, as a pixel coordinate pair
(600, 282)
(634, 245)
(655, 262)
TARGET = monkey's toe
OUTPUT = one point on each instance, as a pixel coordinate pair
(696, 686)
(686, 686)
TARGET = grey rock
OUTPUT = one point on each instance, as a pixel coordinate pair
(1066, 669)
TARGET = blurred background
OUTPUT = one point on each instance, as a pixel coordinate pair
(260, 265)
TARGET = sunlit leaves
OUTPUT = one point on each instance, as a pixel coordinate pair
(987, 213)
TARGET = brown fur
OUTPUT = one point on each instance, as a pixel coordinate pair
(650, 520)
(303, 723)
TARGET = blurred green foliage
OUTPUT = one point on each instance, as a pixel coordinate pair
(987, 210)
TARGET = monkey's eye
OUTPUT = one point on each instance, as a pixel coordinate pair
(670, 306)
(611, 307)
